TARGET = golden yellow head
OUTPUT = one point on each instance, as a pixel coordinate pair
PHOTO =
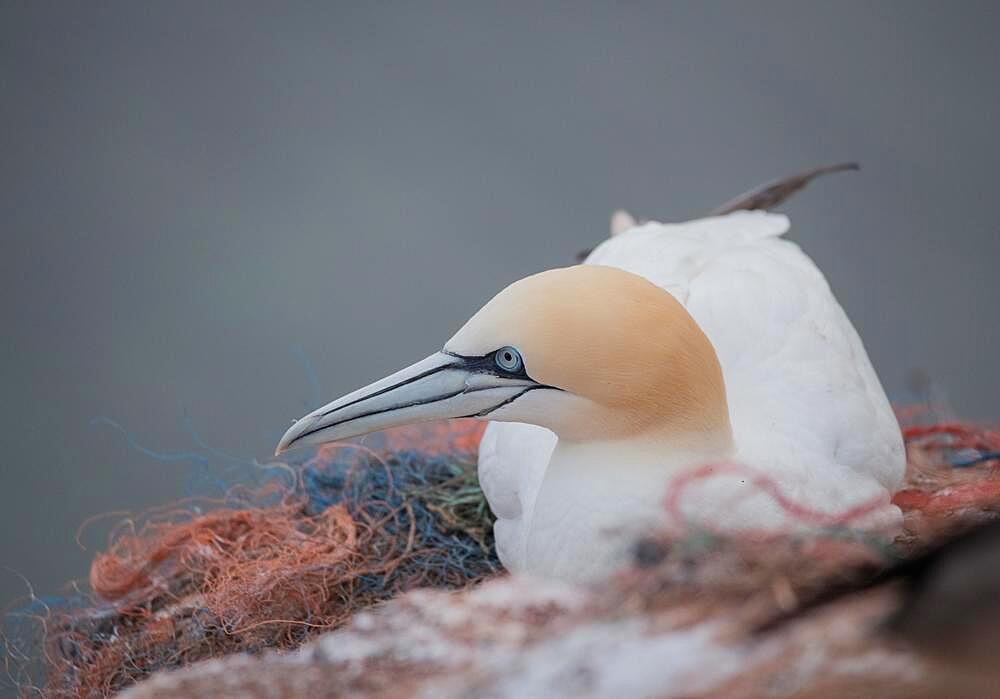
(592, 353)
(627, 355)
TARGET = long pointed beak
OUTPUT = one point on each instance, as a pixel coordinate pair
(439, 387)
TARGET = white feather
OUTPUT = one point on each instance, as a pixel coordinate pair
(805, 403)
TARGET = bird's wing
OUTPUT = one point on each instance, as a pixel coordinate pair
(512, 461)
(800, 386)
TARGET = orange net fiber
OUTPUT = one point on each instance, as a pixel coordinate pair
(269, 568)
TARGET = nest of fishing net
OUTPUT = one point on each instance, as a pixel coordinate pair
(269, 567)
(348, 527)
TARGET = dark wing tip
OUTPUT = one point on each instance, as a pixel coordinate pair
(774, 193)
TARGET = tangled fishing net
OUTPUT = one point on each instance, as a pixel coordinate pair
(348, 527)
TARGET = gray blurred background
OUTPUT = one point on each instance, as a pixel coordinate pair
(221, 214)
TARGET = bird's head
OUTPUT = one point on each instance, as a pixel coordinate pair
(590, 352)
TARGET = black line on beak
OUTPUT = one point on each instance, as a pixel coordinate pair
(422, 375)
(484, 364)
(484, 413)
(390, 409)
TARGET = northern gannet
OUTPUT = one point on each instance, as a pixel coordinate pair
(674, 345)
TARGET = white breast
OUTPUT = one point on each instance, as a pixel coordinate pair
(512, 461)
(805, 404)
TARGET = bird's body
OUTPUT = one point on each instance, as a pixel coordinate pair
(805, 406)
(712, 342)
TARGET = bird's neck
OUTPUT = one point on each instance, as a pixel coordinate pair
(659, 452)
(597, 497)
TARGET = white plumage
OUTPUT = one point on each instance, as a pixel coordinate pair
(805, 405)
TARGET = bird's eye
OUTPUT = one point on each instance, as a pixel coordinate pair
(508, 359)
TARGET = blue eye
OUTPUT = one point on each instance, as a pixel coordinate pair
(508, 359)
